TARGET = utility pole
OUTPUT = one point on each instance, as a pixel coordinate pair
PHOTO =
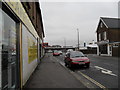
(65, 43)
(78, 37)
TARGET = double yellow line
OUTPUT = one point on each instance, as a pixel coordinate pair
(93, 81)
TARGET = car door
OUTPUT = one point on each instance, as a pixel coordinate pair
(69, 60)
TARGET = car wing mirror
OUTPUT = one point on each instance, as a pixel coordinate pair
(66, 56)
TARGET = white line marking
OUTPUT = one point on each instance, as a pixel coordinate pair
(105, 71)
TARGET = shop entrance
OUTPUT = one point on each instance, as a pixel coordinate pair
(103, 49)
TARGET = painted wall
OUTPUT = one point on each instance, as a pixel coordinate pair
(29, 53)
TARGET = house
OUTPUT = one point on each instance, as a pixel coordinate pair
(57, 46)
(91, 48)
(108, 40)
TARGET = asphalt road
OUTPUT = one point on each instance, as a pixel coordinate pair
(103, 70)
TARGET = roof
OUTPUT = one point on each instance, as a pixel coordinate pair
(92, 45)
(39, 9)
(111, 22)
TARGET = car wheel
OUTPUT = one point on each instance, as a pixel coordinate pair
(65, 64)
(69, 65)
(87, 65)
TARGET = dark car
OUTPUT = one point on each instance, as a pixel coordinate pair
(76, 58)
(56, 53)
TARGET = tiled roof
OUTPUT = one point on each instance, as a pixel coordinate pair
(111, 22)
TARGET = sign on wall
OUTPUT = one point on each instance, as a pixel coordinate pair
(32, 50)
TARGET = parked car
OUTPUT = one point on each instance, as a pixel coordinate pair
(49, 51)
(60, 52)
(69, 50)
(76, 58)
(56, 53)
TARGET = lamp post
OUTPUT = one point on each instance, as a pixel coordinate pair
(65, 43)
(78, 37)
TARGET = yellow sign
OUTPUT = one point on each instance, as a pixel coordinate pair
(32, 50)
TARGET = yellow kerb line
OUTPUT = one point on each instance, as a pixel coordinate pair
(93, 81)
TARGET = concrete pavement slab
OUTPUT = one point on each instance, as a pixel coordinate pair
(50, 74)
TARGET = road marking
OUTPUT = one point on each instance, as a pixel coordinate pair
(84, 81)
(105, 71)
(87, 77)
(93, 81)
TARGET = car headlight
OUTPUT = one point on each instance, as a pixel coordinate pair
(86, 60)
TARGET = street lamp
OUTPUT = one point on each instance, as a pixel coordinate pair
(78, 37)
(65, 43)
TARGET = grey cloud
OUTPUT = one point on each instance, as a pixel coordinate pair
(62, 19)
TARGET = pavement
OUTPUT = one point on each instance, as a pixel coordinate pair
(51, 74)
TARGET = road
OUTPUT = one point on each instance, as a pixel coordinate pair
(103, 71)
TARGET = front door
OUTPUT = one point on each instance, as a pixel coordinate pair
(8, 51)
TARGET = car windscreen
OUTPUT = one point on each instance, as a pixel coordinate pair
(55, 51)
(76, 54)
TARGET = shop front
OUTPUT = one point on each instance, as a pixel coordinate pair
(19, 46)
(8, 48)
(104, 48)
(109, 49)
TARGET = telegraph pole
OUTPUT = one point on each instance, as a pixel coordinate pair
(65, 43)
(78, 37)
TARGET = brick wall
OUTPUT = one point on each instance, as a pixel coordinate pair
(34, 13)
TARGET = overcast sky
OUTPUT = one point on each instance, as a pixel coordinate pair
(61, 20)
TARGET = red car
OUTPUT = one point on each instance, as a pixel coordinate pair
(76, 58)
(56, 53)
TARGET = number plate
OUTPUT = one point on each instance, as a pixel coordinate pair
(81, 63)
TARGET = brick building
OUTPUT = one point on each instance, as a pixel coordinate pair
(108, 40)
(34, 12)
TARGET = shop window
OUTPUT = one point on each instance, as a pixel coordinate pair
(99, 37)
(105, 36)
(8, 50)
